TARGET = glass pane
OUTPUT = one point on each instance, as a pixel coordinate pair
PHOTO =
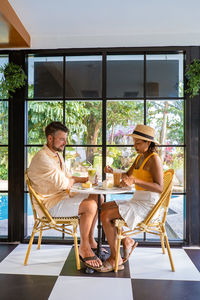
(3, 214)
(174, 222)
(164, 75)
(83, 76)
(167, 117)
(30, 222)
(78, 160)
(120, 157)
(173, 158)
(4, 168)
(125, 76)
(3, 122)
(3, 61)
(84, 121)
(45, 77)
(122, 117)
(40, 114)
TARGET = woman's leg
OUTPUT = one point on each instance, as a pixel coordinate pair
(109, 213)
(108, 205)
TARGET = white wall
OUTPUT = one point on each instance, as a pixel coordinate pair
(110, 23)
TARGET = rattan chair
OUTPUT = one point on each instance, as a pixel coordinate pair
(48, 222)
(154, 223)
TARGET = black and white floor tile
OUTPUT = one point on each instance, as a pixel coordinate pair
(51, 274)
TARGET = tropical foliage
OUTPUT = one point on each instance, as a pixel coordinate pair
(84, 120)
(12, 79)
(193, 76)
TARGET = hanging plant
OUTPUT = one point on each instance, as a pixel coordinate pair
(193, 78)
(13, 78)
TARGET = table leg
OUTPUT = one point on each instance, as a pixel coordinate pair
(99, 226)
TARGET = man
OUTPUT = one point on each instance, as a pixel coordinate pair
(50, 179)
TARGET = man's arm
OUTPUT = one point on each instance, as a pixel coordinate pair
(43, 169)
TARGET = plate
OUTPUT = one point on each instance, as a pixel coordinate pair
(102, 188)
(114, 188)
(83, 188)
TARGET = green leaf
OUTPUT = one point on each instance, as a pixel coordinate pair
(193, 78)
(12, 79)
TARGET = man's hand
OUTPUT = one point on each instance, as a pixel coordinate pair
(71, 183)
(80, 179)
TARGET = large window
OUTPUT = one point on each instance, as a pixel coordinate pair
(3, 159)
(101, 99)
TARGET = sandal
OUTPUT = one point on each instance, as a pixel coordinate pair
(127, 252)
(107, 267)
(85, 259)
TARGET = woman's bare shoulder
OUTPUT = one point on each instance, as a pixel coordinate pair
(155, 159)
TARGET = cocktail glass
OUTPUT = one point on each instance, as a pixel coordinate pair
(91, 175)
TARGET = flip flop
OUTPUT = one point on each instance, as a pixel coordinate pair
(127, 252)
(107, 267)
(85, 259)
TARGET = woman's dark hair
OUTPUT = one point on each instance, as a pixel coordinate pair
(152, 147)
(53, 127)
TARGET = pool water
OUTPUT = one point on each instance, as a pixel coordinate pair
(4, 203)
(4, 207)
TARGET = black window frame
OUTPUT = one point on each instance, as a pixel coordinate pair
(16, 124)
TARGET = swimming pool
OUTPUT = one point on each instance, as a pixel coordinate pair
(4, 203)
(4, 207)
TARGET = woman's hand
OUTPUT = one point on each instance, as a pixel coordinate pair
(124, 175)
(108, 169)
(127, 181)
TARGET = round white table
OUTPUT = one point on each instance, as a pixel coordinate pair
(99, 190)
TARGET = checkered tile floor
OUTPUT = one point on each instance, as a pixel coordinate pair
(51, 274)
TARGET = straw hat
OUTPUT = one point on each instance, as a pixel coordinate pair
(144, 132)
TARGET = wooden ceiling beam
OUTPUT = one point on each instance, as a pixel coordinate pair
(12, 32)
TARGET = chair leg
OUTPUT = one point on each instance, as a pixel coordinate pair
(30, 244)
(162, 243)
(76, 248)
(119, 232)
(40, 238)
(169, 253)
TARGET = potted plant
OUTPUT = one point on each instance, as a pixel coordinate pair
(13, 77)
(193, 78)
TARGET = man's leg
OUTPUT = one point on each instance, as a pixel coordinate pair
(92, 241)
(87, 212)
(109, 213)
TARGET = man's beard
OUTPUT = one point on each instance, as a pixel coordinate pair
(57, 149)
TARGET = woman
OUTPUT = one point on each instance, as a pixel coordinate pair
(147, 175)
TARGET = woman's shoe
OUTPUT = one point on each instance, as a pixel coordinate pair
(127, 252)
(107, 267)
